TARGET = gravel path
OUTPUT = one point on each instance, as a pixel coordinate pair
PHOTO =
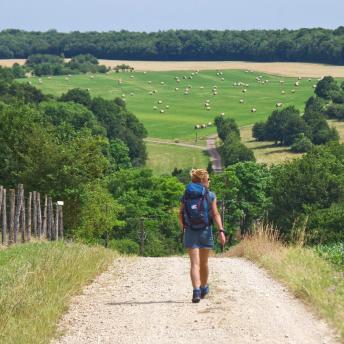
(147, 300)
(214, 154)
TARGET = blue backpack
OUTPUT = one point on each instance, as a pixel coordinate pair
(197, 207)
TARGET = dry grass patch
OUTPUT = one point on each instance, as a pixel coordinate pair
(307, 275)
(265, 151)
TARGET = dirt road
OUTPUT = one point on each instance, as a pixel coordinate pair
(214, 154)
(147, 301)
(278, 68)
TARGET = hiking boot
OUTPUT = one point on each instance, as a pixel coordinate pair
(196, 295)
(204, 291)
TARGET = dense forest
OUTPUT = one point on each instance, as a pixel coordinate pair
(303, 45)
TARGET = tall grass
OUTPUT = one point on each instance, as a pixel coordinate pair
(36, 283)
(308, 275)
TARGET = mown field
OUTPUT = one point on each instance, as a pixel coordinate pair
(142, 92)
(163, 158)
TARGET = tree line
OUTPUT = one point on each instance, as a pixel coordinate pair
(302, 45)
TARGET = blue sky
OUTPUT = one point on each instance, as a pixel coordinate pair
(153, 15)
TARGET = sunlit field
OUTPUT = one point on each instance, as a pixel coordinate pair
(170, 104)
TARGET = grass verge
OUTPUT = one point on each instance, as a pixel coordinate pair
(163, 158)
(36, 282)
(309, 276)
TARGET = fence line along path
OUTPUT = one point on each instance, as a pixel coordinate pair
(23, 217)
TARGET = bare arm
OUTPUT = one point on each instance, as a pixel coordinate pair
(216, 215)
(180, 217)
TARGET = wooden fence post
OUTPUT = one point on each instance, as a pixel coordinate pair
(50, 234)
(17, 213)
(39, 215)
(4, 218)
(34, 217)
(44, 227)
(60, 219)
(12, 210)
(29, 217)
(23, 218)
(57, 221)
(53, 227)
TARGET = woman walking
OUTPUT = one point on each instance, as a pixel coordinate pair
(198, 210)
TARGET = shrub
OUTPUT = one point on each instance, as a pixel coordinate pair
(125, 246)
(258, 131)
(301, 144)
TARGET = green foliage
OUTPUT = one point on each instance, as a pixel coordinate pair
(285, 125)
(13, 92)
(226, 126)
(48, 64)
(300, 187)
(314, 105)
(301, 144)
(258, 131)
(326, 87)
(77, 95)
(336, 111)
(76, 115)
(245, 187)
(121, 124)
(332, 252)
(183, 174)
(154, 200)
(125, 246)
(303, 45)
(320, 132)
(326, 225)
(98, 214)
(233, 151)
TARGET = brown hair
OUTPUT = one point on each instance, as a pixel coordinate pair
(198, 175)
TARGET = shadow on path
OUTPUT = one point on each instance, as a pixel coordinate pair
(129, 303)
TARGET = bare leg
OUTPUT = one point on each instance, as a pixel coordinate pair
(204, 270)
(195, 267)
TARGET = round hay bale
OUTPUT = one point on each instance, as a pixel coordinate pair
(162, 111)
(282, 92)
(159, 101)
(297, 83)
(253, 110)
(279, 104)
(155, 107)
(167, 106)
(177, 89)
(292, 91)
(209, 124)
(241, 101)
(244, 90)
(149, 82)
(222, 113)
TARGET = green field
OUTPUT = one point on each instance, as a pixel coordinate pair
(163, 158)
(185, 111)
